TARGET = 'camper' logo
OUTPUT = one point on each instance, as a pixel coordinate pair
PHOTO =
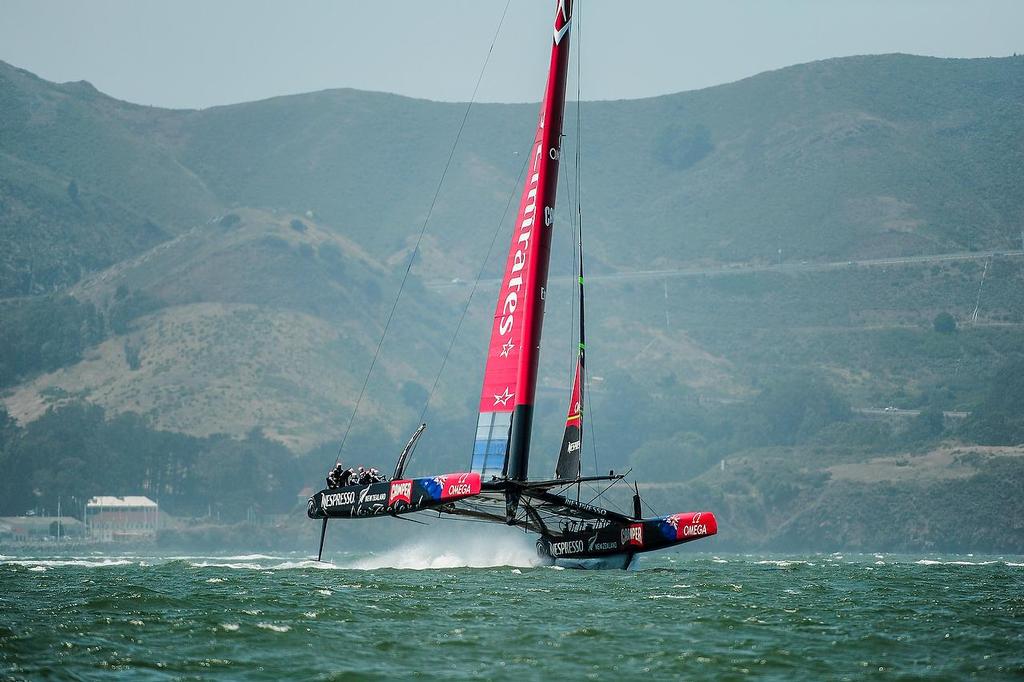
(633, 534)
(401, 491)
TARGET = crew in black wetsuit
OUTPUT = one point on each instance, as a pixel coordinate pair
(334, 479)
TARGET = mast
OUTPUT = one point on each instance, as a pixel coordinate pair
(502, 445)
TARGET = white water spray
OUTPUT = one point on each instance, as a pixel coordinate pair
(453, 552)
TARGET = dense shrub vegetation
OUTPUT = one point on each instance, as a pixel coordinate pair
(74, 452)
(42, 334)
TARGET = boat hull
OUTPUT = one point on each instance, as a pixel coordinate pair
(612, 562)
(390, 498)
(617, 543)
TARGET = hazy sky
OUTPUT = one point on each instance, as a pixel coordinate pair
(199, 53)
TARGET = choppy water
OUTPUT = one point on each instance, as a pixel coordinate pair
(681, 615)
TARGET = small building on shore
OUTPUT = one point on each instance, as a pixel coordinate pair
(131, 518)
(40, 528)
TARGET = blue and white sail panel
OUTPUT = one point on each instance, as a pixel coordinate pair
(491, 444)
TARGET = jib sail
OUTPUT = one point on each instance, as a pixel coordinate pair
(568, 466)
(502, 445)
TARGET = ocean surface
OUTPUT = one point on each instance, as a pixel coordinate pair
(445, 613)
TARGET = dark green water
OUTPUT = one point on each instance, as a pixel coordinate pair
(682, 615)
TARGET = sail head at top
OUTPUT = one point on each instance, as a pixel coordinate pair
(504, 425)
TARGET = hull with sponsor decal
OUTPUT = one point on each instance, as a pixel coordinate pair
(626, 539)
(389, 498)
(623, 561)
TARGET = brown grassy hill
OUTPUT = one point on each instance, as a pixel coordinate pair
(268, 322)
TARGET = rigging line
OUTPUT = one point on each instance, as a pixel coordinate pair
(585, 376)
(423, 229)
(476, 284)
(590, 420)
(579, 117)
(649, 507)
(609, 486)
(573, 347)
(610, 503)
(455, 517)
(603, 491)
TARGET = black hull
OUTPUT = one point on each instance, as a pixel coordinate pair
(618, 542)
(391, 498)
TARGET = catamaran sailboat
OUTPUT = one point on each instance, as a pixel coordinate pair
(497, 487)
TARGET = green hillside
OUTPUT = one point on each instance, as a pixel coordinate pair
(224, 276)
(844, 158)
(83, 183)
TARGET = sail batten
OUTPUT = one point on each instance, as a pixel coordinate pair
(506, 399)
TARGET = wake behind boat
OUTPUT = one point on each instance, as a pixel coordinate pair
(572, 533)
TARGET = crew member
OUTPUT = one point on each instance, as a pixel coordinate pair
(334, 479)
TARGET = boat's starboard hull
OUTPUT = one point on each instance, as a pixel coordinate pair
(615, 539)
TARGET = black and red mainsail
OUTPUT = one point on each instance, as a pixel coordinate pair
(502, 444)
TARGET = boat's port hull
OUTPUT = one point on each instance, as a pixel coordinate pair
(389, 498)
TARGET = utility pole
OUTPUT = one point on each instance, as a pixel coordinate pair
(665, 282)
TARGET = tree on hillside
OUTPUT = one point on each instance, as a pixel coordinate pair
(129, 304)
(926, 426)
(681, 146)
(9, 431)
(999, 420)
(792, 409)
(680, 457)
(42, 334)
(944, 323)
(62, 454)
(257, 474)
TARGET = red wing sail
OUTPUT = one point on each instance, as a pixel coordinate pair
(511, 372)
(568, 466)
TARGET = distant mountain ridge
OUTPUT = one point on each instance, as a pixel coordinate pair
(717, 174)
(860, 156)
(230, 270)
